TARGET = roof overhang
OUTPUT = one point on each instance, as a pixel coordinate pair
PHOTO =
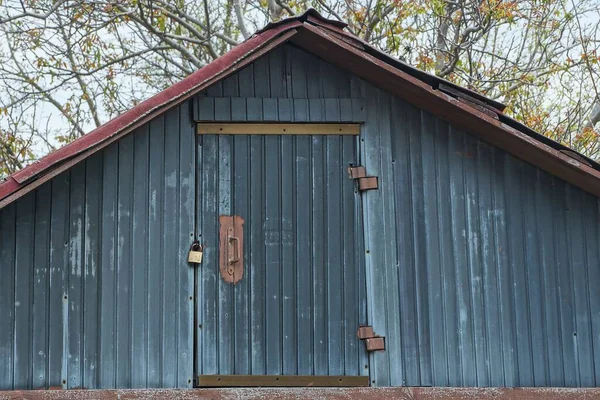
(327, 39)
(472, 120)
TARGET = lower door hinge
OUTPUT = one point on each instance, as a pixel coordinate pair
(365, 182)
(373, 342)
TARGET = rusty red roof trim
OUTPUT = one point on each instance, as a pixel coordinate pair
(324, 29)
(153, 105)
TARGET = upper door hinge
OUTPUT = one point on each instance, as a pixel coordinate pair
(364, 182)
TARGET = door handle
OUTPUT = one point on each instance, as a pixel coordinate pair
(237, 251)
(231, 248)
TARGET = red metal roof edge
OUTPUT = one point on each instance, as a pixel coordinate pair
(181, 90)
(154, 104)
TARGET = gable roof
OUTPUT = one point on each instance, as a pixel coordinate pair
(327, 39)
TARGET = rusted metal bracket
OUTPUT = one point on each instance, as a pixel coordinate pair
(365, 182)
(373, 342)
(231, 247)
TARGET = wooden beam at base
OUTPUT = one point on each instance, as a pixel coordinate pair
(281, 381)
(397, 393)
(276, 129)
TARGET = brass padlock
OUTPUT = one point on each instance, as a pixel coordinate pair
(195, 255)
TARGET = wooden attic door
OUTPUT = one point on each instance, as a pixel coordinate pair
(291, 318)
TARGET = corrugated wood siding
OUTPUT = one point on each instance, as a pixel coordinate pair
(95, 289)
(480, 269)
(303, 295)
(483, 270)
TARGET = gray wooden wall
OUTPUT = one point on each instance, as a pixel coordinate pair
(481, 270)
(484, 270)
(94, 291)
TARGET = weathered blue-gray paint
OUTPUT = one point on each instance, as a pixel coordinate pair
(482, 268)
(299, 305)
(76, 259)
(479, 269)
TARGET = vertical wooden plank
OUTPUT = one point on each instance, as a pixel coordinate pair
(216, 90)
(241, 196)
(565, 283)
(289, 315)
(206, 109)
(273, 326)
(273, 218)
(139, 257)
(269, 112)
(108, 327)
(75, 276)
(518, 266)
(316, 109)
(460, 223)
(92, 249)
(285, 110)
(208, 197)
(246, 81)
(222, 109)
(592, 238)
(374, 247)
(346, 110)
(40, 286)
(24, 268)
(303, 204)
(288, 256)
(256, 240)
(320, 338)
(532, 232)
(187, 193)
(408, 189)
(582, 317)
(505, 280)
(420, 260)
(449, 323)
(350, 293)
(124, 266)
(230, 86)
(57, 361)
(262, 88)
(298, 73)
(171, 249)
(333, 266)
(474, 261)
(7, 294)
(549, 269)
(332, 109)
(434, 314)
(225, 291)
(489, 216)
(303, 223)
(156, 201)
(277, 73)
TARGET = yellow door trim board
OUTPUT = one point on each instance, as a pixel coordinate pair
(276, 129)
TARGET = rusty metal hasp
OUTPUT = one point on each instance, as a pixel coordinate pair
(373, 342)
(231, 245)
(365, 182)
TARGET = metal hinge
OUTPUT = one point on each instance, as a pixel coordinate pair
(373, 342)
(365, 182)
